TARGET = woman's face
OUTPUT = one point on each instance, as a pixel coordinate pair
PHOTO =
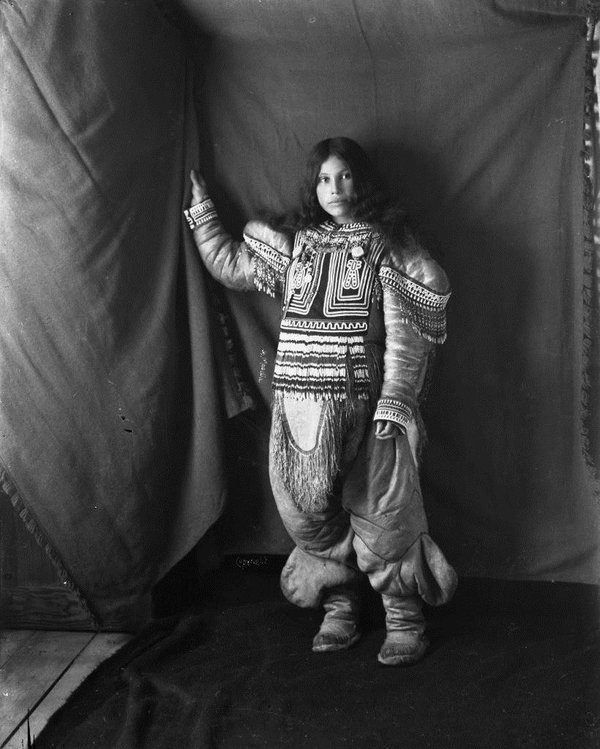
(335, 190)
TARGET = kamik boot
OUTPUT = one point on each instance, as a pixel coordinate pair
(339, 629)
(405, 641)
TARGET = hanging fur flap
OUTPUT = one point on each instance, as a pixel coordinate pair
(309, 475)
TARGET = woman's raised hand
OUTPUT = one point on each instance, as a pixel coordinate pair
(199, 190)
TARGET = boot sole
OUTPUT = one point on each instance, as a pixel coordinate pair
(405, 659)
(333, 646)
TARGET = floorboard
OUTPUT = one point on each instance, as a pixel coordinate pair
(39, 671)
(11, 641)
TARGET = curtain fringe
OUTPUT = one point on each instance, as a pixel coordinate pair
(589, 245)
(31, 524)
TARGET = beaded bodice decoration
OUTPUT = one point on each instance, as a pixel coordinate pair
(328, 291)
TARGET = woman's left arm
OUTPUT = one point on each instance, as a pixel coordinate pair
(414, 303)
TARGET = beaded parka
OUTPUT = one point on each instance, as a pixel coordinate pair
(359, 321)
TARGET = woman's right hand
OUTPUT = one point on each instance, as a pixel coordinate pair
(199, 190)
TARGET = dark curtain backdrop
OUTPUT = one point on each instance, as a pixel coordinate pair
(114, 384)
(109, 447)
(473, 111)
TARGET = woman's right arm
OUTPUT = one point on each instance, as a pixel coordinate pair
(259, 262)
(227, 260)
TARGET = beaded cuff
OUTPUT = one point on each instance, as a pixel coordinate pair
(392, 410)
(200, 213)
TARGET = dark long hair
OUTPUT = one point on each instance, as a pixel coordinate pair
(373, 203)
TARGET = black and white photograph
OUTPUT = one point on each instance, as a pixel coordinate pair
(299, 374)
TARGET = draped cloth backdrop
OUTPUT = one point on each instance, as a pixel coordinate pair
(116, 376)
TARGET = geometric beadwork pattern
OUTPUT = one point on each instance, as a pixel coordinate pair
(331, 237)
(200, 213)
(304, 279)
(425, 308)
(317, 365)
(348, 293)
(392, 410)
(269, 266)
(333, 273)
(272, 257)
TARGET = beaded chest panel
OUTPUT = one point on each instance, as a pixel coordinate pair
(327, 300)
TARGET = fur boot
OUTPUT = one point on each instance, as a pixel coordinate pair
(339, 629)
(405, 641)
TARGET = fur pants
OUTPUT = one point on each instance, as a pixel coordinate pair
(373, 523)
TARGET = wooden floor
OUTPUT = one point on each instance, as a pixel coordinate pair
(39, 670)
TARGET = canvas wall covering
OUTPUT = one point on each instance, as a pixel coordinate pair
(114, 384)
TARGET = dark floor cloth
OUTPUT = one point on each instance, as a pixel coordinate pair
(512, 664)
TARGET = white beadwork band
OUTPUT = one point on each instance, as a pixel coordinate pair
(392, 410)
(200, 213)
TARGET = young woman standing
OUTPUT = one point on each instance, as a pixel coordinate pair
(363, 307)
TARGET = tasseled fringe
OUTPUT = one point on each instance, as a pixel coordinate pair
(590, 290)
(266, 279)
(309, 477)
(424, 309)
(9, 489)
(429, 324)
(427, 332)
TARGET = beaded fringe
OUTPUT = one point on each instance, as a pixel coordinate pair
(310, 476)
(266, 278)
(327, 367)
